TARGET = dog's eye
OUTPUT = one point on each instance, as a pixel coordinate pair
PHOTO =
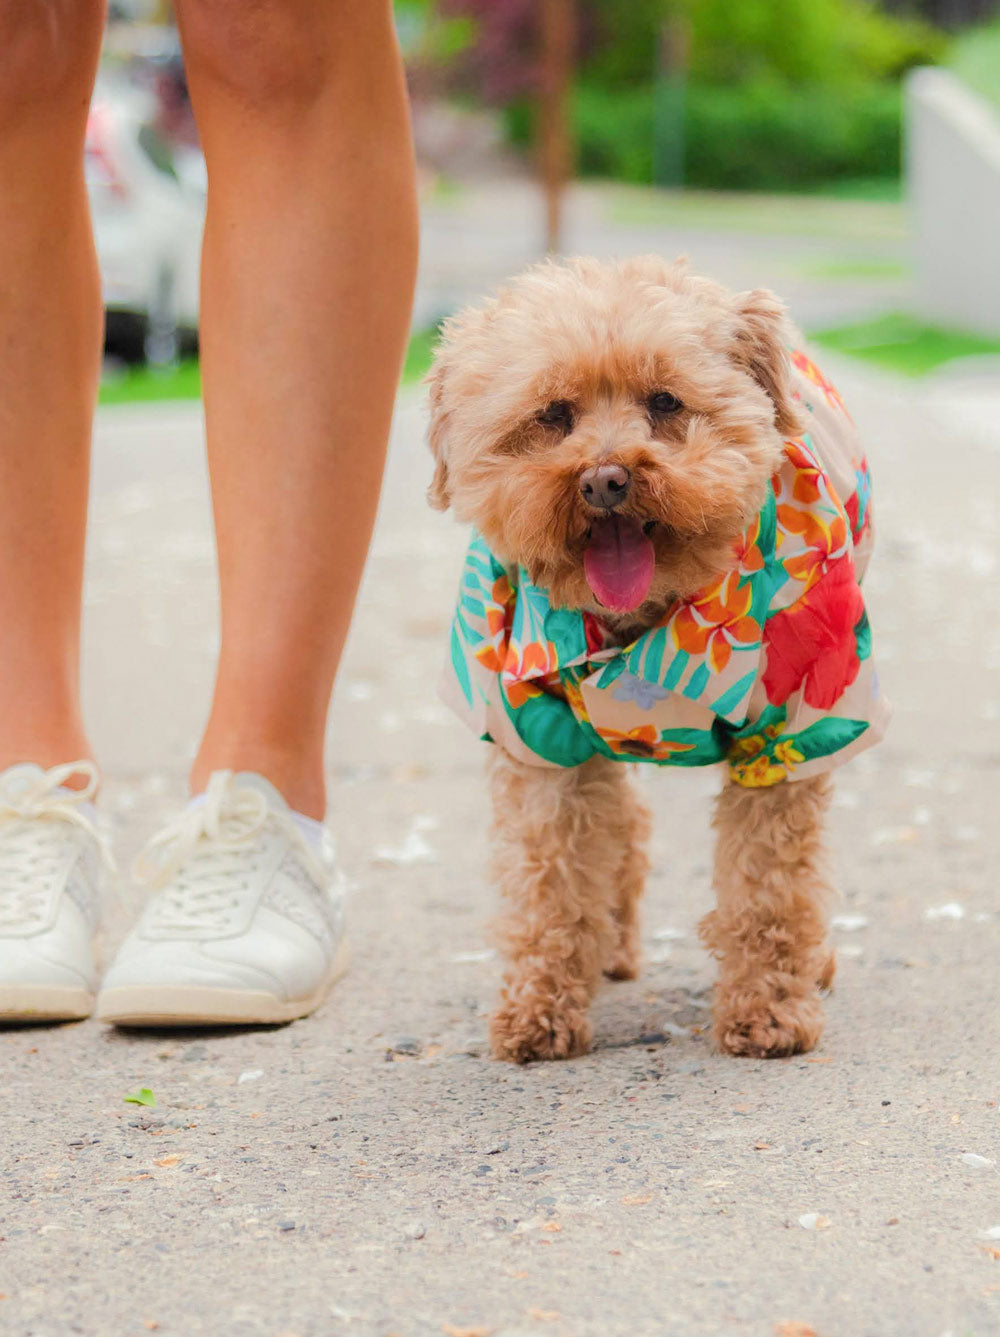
(557, 414)
(663, 403)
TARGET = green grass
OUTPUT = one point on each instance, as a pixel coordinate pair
(975, 58)
(901, 343)
(418, 355)
(853, 267)
(138, 385)
(880, 189)
(144, 385)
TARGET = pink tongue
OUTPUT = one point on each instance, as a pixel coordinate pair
(619, 563)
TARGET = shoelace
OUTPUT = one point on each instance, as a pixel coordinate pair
(34, 818)
(205, 857)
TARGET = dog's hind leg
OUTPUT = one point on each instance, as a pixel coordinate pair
(557, 854)
(769, 928)
(630, 880)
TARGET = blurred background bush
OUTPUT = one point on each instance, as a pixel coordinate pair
(759, 95)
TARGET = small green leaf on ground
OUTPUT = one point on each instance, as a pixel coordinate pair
(141, 1097)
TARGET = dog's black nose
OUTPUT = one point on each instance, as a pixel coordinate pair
(605, 485)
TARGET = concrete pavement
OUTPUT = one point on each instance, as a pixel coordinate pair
(369, 1171)
(832, 260)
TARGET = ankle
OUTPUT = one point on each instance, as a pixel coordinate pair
(296, 774)
(47, 751)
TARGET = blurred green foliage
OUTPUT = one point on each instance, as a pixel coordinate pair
(771, 94)
(815, 43)
(777, 94)
(429, 36)
(761, 136)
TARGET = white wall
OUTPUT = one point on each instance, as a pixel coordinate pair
(952, 155)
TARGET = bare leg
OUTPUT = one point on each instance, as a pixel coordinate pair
(50, 343)
(769, 930)
(559, 853)
(309, 263)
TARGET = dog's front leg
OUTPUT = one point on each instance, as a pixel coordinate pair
(769, 928)
(558, 855)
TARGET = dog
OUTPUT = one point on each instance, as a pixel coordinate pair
(671, 516)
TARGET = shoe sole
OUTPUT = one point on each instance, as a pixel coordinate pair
(183, 1005)
(42, 1002)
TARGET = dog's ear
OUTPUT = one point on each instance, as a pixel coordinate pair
(762, 339)
(438, 494)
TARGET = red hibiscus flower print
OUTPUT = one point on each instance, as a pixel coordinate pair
(812, 645)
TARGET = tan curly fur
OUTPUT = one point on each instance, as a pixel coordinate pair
(571, 868)
(569, 846)
(768, 930)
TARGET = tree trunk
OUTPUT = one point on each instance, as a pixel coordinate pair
(555, 147)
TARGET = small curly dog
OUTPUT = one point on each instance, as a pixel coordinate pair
(670, 518)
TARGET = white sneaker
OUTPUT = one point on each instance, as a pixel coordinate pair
(50, 857)
(247, 925)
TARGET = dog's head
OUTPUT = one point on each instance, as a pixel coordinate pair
(611, 427)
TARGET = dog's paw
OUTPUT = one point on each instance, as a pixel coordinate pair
(623, 966)
(625, 961)
(524, 1030)
(827, 972)
(767, 1025)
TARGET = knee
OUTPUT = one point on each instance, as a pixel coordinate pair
(47, 53)
(260, 51)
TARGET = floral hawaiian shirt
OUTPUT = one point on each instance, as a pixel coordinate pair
(768, 669)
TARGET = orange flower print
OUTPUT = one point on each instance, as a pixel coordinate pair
(811, 516)
(500, 613)
(806, 486)
(644, 742)
(503, 653)
(536, 656)
(716, 621)
(571, 692)
(519, 692)
(492, 654)
(489, 656)
(813, 373)
(746, 551)
(820, 535)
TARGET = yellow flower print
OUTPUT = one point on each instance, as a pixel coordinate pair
(787, 753)
(747, 747)
(763, 759)
(758, 774)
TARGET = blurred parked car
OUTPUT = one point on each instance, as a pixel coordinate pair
(148, 205)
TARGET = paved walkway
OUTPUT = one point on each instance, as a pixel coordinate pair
(370, 1171)
(832, 260)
